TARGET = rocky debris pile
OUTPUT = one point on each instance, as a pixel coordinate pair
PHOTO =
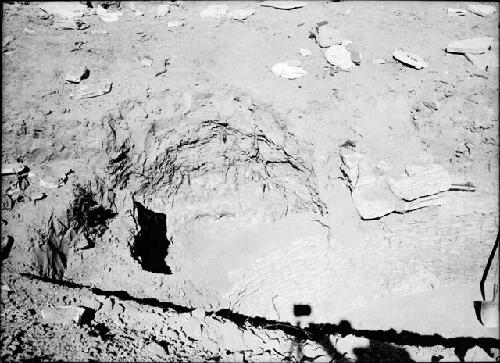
(376, 193)
(219, 155)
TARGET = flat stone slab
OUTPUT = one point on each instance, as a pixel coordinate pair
(65, 315)
(409, 59)
(481, 10)
(284, 5)
(473, 45)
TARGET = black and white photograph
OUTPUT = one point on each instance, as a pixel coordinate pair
(250, 181)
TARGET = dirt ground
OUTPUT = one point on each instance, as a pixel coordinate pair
(192, 208)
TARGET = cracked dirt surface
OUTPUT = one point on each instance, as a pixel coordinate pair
(191, 208)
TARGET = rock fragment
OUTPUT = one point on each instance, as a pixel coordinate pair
(93, 90)
(305, 52)
(355, 53)
(285, 70)
(13, 168)
(77, 77)
(240, 14)
(338, 55)
(146, 61)
(214, 11)
(421, 181)
(65, 10)
(409, 59)
(66, 315)
(459, 12)
(175, 23)
(108, 17)
(156, 349)
(476, 354)
(482, 9)
(326, 34)
(378, 61)
(70, 25)
(284, 5)
(347, 344)
(162, 10)
(470, 46)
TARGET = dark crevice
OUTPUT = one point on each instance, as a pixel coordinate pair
(151, 244)
(315, 332)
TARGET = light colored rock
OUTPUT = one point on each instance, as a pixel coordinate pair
(108, 17)
(338, 55)
(175, 23)
(198, 313)
(421, 181)
(216, 11)
(459, 12)
(146, 61)
(70, 25)
(355, 53)
(285, 70)
(13, 168)
(482, 9)
(162, 10)
(66, 315)
(190, 326)
(378, 61)
(65, 10)
(92, 90)
(284, 5)
(76, 77)
(374, 200)
(230, 337)
(471, 46)
(313, 350)
(156, 349)
(347, 344)
(326, 35)
(99, 32)
(409, 59)
(484, 62)
(477, 354)
(305, 52)
(240, 14)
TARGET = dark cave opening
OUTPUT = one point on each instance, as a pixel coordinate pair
(151, 243)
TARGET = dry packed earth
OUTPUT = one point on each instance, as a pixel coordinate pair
(245, 181)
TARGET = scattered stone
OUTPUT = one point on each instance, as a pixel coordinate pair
(38, 196)
(470, 46)
(6, 288)
(163, 67)
(481, 9)
(76, 78)
(305, 52)
(156, 349)
(175, 23)
(70, 25)
(146, 61)
(284, 5)
(7, 202)
(347, 344)
(241, 14)
(432, 105)
(90, 303)
(483, 62)
(29, 31)
(355, 53)
(99, 32)
(162, 10)
(477, 354)
(378, 61)
(65, 10)
(285, 70)
(409, 59)
(108, 17)
(337, 55)
(65, 315)
(82, 242)
(214, 11)
(421, 181)
(459, 12)
(13, 168)
(326, 35)
(198, 313)
(93, 90)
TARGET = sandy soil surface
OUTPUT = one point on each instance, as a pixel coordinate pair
(195, 200)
